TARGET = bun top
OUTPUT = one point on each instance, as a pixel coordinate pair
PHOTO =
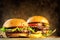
(15, 22)
(37, 19)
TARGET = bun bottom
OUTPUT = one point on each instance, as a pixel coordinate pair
(17, 35)
(24, 35)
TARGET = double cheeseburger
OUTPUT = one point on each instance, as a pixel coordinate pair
(39, 27)
(15, 28)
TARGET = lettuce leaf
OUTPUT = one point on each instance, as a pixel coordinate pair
(3, 29)
(20, 29)
(12, 30)
(32, 30)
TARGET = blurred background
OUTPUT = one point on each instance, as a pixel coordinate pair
(27, 8)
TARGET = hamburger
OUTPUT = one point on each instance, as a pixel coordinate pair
(15, 28)
(39, 27)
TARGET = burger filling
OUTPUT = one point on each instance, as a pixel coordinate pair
(35, 28)
(15, 31)
(42, 27)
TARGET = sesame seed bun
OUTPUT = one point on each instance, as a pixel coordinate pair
(37, 19)
(15, 22)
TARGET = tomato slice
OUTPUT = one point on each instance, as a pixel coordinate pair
(33, 25)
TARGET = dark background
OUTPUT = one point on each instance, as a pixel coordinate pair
(27, 8)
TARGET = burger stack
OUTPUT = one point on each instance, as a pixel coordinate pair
(35, 27)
